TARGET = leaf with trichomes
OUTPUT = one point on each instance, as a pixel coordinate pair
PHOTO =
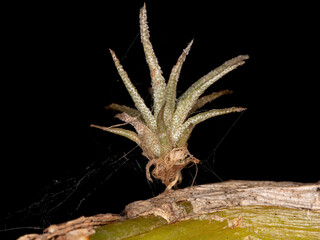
(163, 132)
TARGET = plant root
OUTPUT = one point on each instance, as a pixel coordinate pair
(168, 168)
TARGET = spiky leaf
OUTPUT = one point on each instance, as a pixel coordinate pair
(149, 140)
(157, 80)
(193, 121)
(188, 100)
(122, 108)
(163, 133)
(207, 99)
(122, 132)
(171, 89)
(211, 75)
(137, 99)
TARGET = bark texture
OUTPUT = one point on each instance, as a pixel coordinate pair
(209, 198)
(194, 202)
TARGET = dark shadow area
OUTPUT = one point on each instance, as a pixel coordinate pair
(60, 77)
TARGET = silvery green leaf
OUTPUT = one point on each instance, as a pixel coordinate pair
(137, 99)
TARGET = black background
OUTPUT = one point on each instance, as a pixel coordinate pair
(58, 76)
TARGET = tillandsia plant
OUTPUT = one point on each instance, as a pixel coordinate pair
(163, 132)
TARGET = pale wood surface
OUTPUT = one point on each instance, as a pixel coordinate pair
(212, 197)
(202, 199)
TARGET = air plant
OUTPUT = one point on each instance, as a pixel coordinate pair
(162, 133)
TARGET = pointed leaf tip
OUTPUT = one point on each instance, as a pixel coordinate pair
(200, 117)
(171, 88)
(191, 95)
(157, 80)
(137, 99)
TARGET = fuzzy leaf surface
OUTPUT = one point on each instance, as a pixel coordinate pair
(171, 90)
(207, 99)
(122, 108)
(122, 132)
(198, 88)
(200, 117)
(150, 143)
(157, 80)
(137, 99)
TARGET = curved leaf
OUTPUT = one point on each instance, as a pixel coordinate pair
(198, 88)
(207, 99)
(120, 131)
(193, 121)
(122, 108)
(211, 74)
(150, 143)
